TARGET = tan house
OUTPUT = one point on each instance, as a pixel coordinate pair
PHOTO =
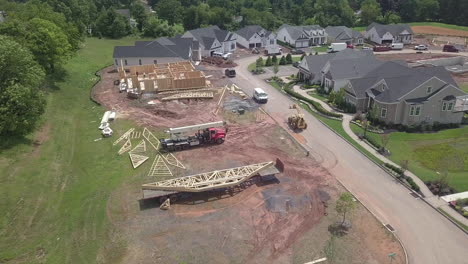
(407, 96)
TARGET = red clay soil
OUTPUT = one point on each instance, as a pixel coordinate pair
(439, 31)
(163, 114)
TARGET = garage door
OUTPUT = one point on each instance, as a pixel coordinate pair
(251, 45)
(302, 44)
(258, 45)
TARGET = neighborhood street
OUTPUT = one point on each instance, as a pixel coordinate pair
(427, 235)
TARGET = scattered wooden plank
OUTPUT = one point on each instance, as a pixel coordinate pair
(153, 140)
(172, 160)
(137, 159)
(126, 147)
(141, 147)
(124, 136)
(159, 168)
(189, 95)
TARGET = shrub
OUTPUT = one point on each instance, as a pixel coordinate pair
(268, 62)
(413, 185)
(316, 105)
(373, 142)
(394, 168)
(465, 214)
(282, 61)
(289, 59)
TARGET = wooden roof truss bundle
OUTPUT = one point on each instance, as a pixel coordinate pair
(126, 147)
(137, 159)
(159, 168)
(189, 95)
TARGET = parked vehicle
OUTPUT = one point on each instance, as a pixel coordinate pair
(297, 51)
(217, 54)
(335, 47)
(275, 50)
(381, 48)
(260, 96)
(227, 55)
(255, 51)
(230, 73)
(366, 48)
(295, 64)
(420, 47)
(397, 46)
(209, 133)
(450, 48)
(350, 46)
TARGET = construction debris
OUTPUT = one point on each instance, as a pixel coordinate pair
(135, 134)
(137, 159)
(189, 95)
(141, 147)
(126, 147)
(159, 168)
(234, 89)
(124, 136)
(154, 141)
(162, 77)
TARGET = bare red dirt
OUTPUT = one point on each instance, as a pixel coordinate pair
(438, 31)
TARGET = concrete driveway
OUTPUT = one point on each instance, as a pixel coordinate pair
(428, 236)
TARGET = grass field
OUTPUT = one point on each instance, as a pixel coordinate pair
(436, 24)
(464, 87)
(53, 196)
(428, 152)
(320, 48)
(317, 96)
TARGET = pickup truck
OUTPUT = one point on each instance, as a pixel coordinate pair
(420, 47)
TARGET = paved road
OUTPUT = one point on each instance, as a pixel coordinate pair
(428, 236)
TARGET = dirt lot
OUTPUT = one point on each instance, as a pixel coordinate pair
(438, 31)
(279, 222)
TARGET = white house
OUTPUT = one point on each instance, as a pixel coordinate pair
(255, 37)
(213, 39)
(302, 36)
(387, 34)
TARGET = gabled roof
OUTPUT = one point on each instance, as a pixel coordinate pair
(342, 33)
(352, 68)
(248, 31)
(161, 47)
(399, 81)
(297, 31)
(208, 35)
(394, 29)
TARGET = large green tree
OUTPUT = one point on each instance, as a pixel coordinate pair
(334, 13)
(21, 101)
(427, 9)
(112, 25)
(370, 11)
(170, 10)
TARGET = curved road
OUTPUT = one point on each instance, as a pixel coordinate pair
(428, 236)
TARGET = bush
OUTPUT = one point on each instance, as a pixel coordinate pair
(373, 142)
(282, 61)
(268, 62)
(289, 59)
(413, 185)
(316, 105)
(394, 168)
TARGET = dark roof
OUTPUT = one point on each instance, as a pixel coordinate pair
(350, 68)
(248, 31)
(399, 80)
(342, 33)
(394, 29)
(297, 31)
(206, 36)
(161, 47)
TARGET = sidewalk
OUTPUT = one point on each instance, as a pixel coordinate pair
(432, 199)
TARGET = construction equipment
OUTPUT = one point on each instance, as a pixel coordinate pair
(170, 189)
(297, 121)
(207, 133)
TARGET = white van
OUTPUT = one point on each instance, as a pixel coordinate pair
(260, 96)
(397, 46)
(217, 54)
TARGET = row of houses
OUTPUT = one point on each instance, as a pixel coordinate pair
(402, 95)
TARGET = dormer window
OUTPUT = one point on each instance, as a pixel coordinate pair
(429, 90)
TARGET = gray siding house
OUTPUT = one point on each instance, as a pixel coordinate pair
(344, 34)
(213, 39)
(255, 37)
(407, 96)
(387, 34)
(302, 36)
(333, 70)
(161, 50)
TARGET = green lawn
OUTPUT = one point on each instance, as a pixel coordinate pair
(464, 87)
(436, 24)
(53, 196)
(360, 29)
(320, 49)
(318, 96)
(429, 152)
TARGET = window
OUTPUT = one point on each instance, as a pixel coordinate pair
(116, 63)
(272, 41)
(233, 46)
(126, 62)
(285, 38)
(444, 106)
(450, 106)
(139, 61)
(429, 90)
(383, 112)
(155, 61)
(415, 110)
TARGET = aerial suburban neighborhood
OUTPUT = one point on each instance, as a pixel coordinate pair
(170, 131)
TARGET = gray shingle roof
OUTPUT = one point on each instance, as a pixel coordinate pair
(161, 47)
(297, 31)
(208, 35)
(394, 29)
(248, 31)
(399, 80)
(352, 68)
(342, 33)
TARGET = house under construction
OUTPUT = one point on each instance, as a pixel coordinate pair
(162, 77)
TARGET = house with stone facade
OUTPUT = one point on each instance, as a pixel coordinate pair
(302, 36)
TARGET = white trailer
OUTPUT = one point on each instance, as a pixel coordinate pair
(335, 47)
(105, 120)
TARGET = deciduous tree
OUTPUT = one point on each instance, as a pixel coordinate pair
(345, 205)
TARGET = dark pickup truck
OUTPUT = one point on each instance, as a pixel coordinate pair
(230, 73)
